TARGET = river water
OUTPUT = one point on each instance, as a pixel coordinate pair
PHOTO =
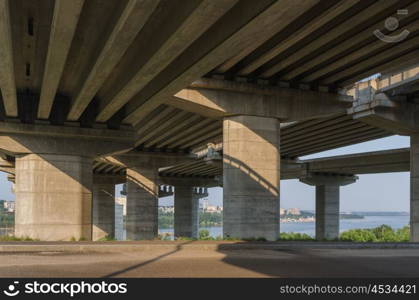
(395, 222)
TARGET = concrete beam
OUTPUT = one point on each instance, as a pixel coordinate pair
(329, 36)
(387, 55)
(7, 71)
(403, 87)
(226, 98)
(248, 24)
(64, 23)
(125, 135)
(203, 16)
(308, 28)
(399, 117)
(130, 22)
(347, 44)
(292, 14)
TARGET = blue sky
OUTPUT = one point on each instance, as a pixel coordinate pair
(376, 192)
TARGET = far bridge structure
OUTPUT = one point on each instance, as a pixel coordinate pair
(197, 94)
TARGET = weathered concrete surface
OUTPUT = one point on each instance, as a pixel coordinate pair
(223, 98)
(186, 212)
(251, 184)
(414, 188)
(53, 197)
(103, 216)
(142, 202)
(183, 260)
(327, 203)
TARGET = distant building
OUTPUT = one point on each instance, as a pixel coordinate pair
(9, 206)
(213, 208)
(282, 211)
(204, 204)
(294, 211)
(167, 209)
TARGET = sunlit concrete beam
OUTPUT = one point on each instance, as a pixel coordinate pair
(64, 23)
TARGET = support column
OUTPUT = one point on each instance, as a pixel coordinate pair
(251, 177)
(414, 188)
(142, 203)
(103, 207)
(143, 190)
(328, 202)
(53, 197)
(186, 212)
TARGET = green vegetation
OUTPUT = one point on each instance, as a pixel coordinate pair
(206, 219)
(204, 234)
(292, 236)
(107, 239)
(7, 238)
(383, 233)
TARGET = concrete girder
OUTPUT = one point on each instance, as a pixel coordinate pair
(308, 28)
(385, 65)
(232, 98)
(352, 131)
(248, 25)
(187, 131)
(156, 117)
(346, 45)
(353, 57)
(130, 22)
(401, 48)
(403, 87)
(162, 128)
(293, 15)
(199, 132)
(398, 117)
(32, 138)
(338, 142)
(64, 23)
(7, 72)
(329, 36)
(184, 121)
(197, 22)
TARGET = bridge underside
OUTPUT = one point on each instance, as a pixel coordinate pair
(95, 93)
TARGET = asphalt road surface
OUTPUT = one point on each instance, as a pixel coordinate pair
(216, 263)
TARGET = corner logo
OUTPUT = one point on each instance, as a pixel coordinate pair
(11, 290)
(392, 24)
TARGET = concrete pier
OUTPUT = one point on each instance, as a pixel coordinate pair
(328, 203)
(142, 203)
(103, 207)
(186, 212)
(53, 197)
(251, 184)
(414, 188)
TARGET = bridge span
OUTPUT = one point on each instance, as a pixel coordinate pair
(95, 93)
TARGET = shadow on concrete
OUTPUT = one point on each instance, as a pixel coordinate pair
(306, 262)
(137, 266)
